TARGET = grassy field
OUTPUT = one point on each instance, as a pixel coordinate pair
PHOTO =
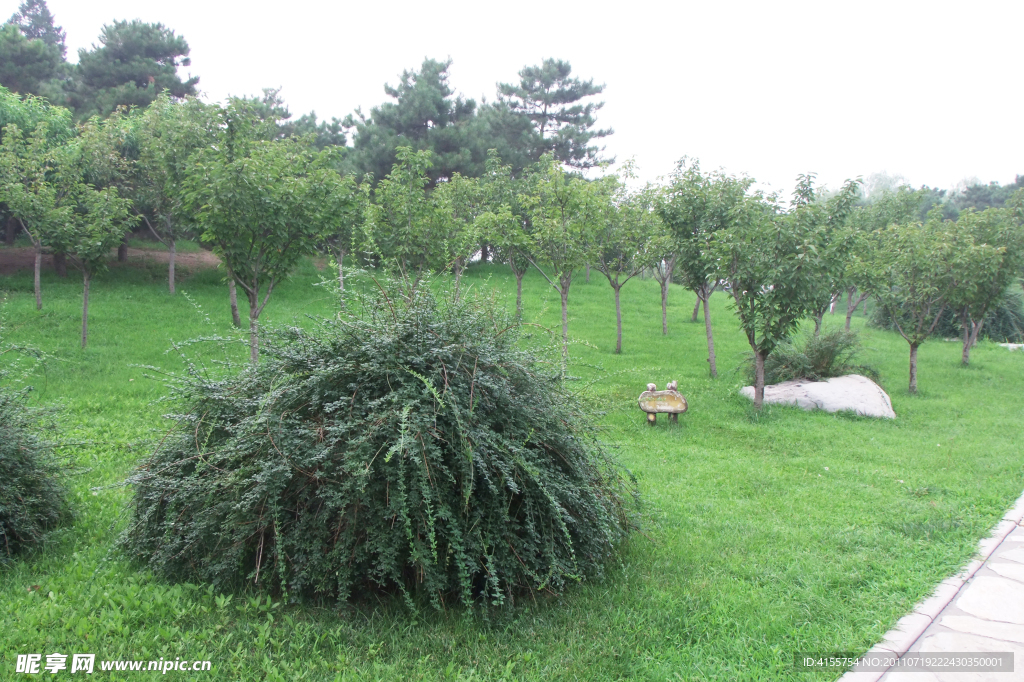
(770, 533)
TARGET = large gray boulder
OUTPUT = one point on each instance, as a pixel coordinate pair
(852, 392)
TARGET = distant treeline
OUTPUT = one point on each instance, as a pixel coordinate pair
(547, 111)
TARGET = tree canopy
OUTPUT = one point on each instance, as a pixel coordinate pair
(32, 51)
(553, 101)
(426, 114)
(134, 63)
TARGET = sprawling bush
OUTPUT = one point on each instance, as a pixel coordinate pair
(816, 358)
(413, 446)
(33, 486)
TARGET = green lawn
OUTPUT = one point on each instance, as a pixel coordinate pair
(769, 533)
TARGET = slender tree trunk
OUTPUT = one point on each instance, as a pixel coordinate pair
(35, 276)
(850, 310)
(85, 306)
(711, 340)
(484, 253)
(171, 253)
(913, 368)
(122, 249)
(696, 308)
(12, 230)
(817, 322)
(758, 379)
(519, 294)
(976, 333)
(564, 291)
(458, 279)
(618, 322)
(233, 296)
(965, 337)
(254, 339)
(60, 263)
(565, 315)
(588, 274)
(972, 340)
(341, 271)
(664, 307)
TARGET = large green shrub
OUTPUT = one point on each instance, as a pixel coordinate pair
(33, 491)
(414, 446)
(816, 358)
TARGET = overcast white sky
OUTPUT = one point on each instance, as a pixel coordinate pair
(930, 90)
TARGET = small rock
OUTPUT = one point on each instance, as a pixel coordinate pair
(852, 392)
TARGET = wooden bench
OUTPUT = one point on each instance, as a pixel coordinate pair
(652, 401)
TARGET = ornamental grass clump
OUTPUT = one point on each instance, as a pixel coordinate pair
(827, 355)
(413, 446)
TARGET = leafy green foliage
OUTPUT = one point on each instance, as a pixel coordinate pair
(401, 221)
(819, 357)
(836, 238)
(770, 259)
(908, 273)
(33, 486)
(565, 211)
(987, 257)
(506, 224)
(27, 111)
(261, 203)
(457, 205)
(993, 195)
(414, 446)
(33, 495)
(629, 238)
(696, 206)
(1004, 321)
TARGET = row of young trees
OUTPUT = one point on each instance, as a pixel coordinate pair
(261, 201)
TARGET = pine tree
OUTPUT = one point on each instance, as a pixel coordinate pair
(552, 100)
(32, 52)
(134, 63)
(36, 23)
(426, 115)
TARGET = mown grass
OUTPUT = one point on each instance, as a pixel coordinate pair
(769, 534)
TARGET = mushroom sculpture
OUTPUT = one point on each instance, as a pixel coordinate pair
(669, 401)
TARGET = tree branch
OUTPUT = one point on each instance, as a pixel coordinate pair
(150, 226)
(555, 286)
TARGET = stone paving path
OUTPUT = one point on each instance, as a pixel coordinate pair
(980, 610)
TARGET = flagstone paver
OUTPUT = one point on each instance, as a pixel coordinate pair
(977, 626)
(994, 598)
